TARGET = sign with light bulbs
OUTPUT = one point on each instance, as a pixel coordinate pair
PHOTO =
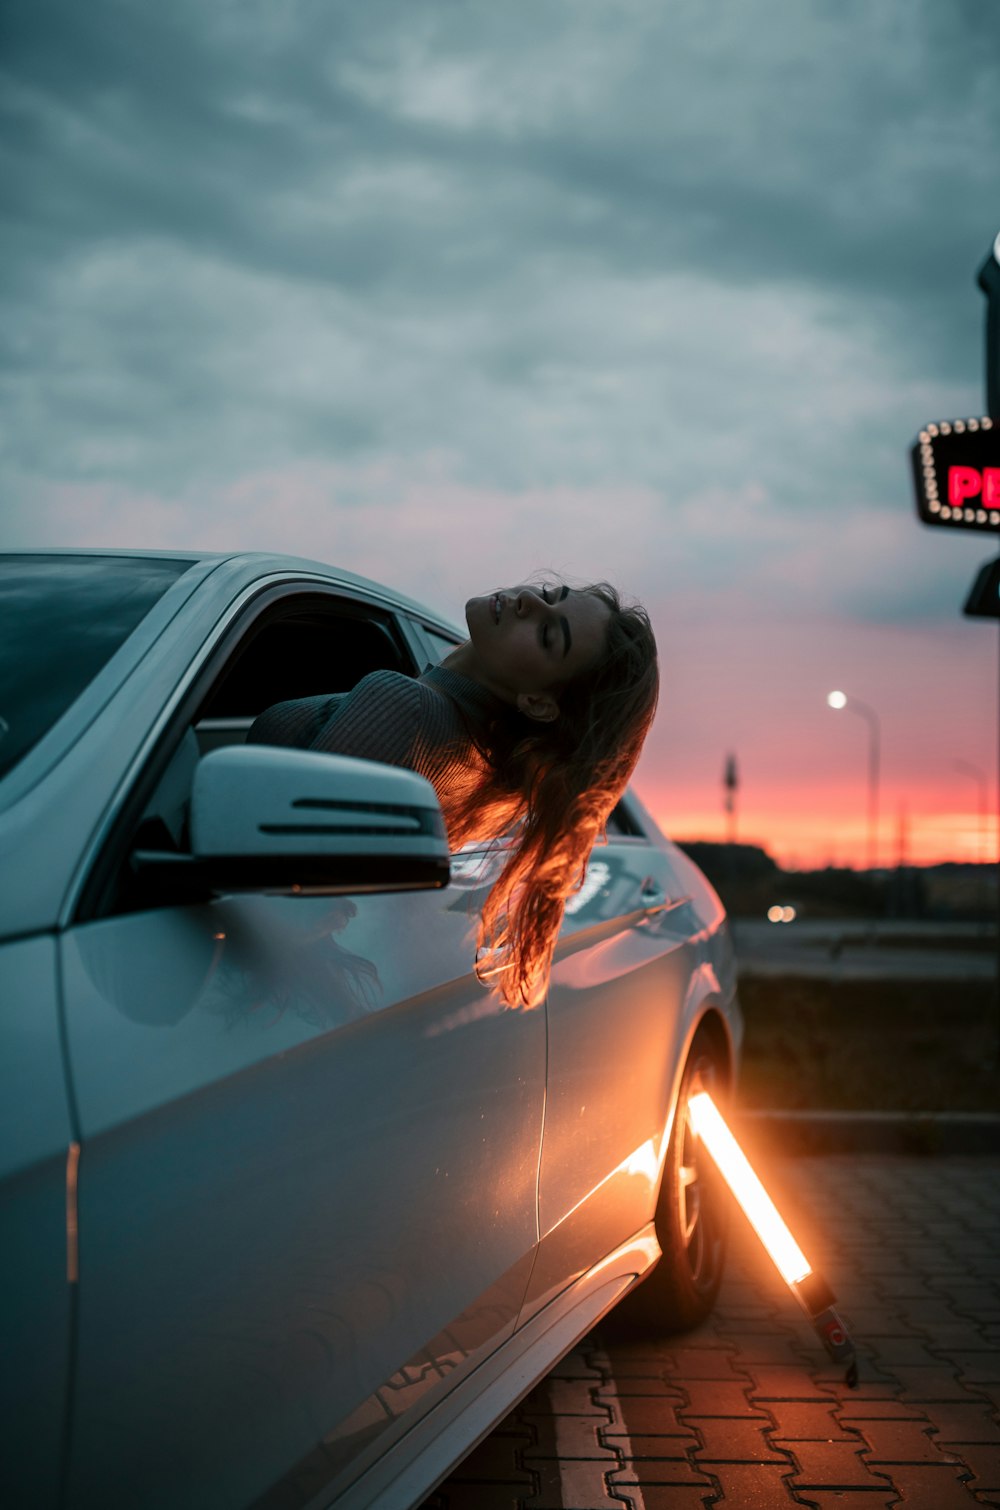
(956, 474)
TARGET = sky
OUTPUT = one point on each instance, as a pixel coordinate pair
(446, 293)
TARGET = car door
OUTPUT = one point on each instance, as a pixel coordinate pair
(307, 1189)
(37, 1255)
(615, 1011)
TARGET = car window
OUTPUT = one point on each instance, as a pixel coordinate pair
(61, 620)
(440, 644)
(622, 825)
(311, 648)
(310, 645)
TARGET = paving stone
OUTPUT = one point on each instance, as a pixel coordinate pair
(901, 1442)
(572, 1486)
(567, 1437)
(494, 1461)
(459, 1496)
(923, 1487)
(848, 1499)
(754, 1380)
(977, 1368)
(638, 1389)
(661, 1471)
(870, 1322)
(575, 1366)
(668, 1497)
(806, 1421)
(769, 1347)
(990, 1392)
(734, 1441)
(931, 1384)
(717, 1397)
(984, 1461)
(746, 1486)
(966, 1423)
(639, 1416)
(704, 1363)
(905, 1287)
(563, 1397)
(910, 1351)
(968, 1299)
(834, 1465)
(781, 1382)
(655, 1449)
(960, 1337)
(621, 1363)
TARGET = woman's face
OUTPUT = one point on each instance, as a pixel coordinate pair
(529, 642)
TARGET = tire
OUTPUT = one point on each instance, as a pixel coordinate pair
(691, 1217)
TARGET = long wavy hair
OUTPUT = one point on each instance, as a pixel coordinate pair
(558, 782)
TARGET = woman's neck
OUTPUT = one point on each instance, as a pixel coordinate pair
(464, 660)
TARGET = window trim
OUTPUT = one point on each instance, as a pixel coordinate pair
(92, 895)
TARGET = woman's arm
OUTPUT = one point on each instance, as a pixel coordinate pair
(379, 719)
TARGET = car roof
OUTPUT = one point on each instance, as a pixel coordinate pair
(253, 565)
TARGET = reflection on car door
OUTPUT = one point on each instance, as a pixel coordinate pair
(614, 1010)
(307, 1195)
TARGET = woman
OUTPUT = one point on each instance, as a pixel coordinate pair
(537, 719)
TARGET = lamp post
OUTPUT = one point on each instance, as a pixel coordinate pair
(838, 700)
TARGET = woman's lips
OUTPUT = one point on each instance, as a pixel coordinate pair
(497, 605)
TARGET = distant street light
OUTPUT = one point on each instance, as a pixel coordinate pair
(838, 700)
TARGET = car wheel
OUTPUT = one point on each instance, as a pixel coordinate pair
(691, 1216)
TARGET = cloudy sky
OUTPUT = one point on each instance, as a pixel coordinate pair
(445, 291)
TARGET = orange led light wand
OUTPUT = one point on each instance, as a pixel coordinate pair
(809, 1288)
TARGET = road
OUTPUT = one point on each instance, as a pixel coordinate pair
(855, 950)
(746, 1411)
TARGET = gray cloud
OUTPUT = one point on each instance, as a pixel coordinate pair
(571, 244)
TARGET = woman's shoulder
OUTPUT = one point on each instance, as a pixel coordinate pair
(394, 689)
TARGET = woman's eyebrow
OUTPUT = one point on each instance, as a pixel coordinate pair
(565, 623)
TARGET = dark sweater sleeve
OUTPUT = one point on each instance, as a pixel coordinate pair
(381, 719)
(387, 717)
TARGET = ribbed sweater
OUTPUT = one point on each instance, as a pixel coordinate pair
(425, 723)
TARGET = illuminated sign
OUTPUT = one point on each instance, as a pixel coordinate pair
(956, 474)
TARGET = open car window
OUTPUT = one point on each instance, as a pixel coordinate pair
(312, 650)
(309, 646)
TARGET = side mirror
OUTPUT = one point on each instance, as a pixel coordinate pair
(266, 819)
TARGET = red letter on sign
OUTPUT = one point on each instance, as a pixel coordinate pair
(963, 482)
(991, 487)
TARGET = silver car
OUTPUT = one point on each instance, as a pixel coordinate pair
(293, 1211)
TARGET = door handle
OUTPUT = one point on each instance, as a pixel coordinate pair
(654, 898)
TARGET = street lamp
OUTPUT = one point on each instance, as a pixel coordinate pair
(838, 700)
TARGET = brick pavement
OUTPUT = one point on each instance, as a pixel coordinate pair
(747, 1411)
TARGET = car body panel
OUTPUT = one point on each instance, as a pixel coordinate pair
(615, 1000)
(252, 1087)
(36, 1293)
(336, 1206)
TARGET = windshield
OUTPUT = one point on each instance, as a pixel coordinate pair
(61, 620)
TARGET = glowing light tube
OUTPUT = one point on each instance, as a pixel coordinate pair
(809, 1288)
(761, 1211)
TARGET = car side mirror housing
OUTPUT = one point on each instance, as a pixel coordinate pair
(298, 822)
